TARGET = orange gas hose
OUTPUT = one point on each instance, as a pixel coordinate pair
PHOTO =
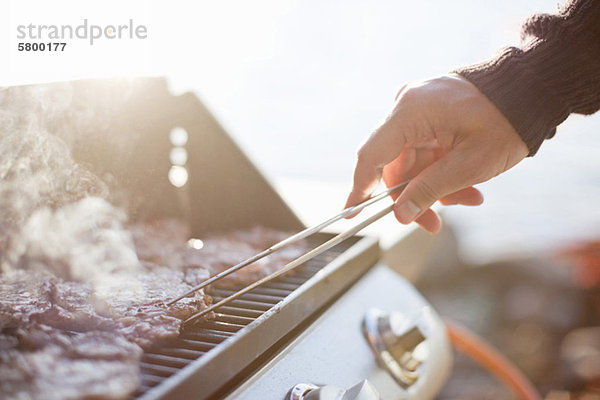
(488, 357)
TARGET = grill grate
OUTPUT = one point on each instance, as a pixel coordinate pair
(159, 364)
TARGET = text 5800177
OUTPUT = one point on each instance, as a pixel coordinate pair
(49, 46)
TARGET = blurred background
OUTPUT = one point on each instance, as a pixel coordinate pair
(299, 84)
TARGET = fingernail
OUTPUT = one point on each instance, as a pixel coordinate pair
(407, 212)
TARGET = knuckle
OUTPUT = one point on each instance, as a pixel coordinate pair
(363, 154)
(407, 95)
(427, 191)
(410, 94)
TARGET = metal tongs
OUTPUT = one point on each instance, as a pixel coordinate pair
(293, 239)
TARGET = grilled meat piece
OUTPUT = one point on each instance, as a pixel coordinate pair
(161, 241)
(136, 306)
(22, 294)
(165, 242)
(72, 309)
(8, 342)
(49, 364)
(225, 250)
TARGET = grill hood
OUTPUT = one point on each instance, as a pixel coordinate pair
(122, 131)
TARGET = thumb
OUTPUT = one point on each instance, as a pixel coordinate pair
(447, 175)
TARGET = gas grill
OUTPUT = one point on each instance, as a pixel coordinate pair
(130, 140)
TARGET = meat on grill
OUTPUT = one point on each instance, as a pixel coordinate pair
(133, 307)
(48, 364)
(22, 294)
(137, 306)
(165, 242)
(222, 251)
(67, 339)
(72, 309)
(75, 340)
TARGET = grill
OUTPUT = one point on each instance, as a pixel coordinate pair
(296, 329)
(127, 141)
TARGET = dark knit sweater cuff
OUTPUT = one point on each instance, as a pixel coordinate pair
(557, 73)
(516, 81)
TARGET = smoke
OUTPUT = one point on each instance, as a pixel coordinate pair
(36, 167)
(81, 241)
(55, 214)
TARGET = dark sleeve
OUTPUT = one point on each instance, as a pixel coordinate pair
(556, 73)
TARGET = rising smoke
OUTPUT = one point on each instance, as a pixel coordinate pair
(55, 214)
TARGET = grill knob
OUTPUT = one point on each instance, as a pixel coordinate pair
(307, 391)
(393, 342)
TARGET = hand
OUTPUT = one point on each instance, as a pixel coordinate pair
(445, 136)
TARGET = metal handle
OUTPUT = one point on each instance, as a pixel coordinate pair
(307, 391)
(393, 349)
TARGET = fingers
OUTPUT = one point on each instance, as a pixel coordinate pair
(400, 170)
(449, 175)
(467, 197)
(366, 179)
(430, 221)
(382, 147)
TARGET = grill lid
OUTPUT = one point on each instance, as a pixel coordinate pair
(122, 130)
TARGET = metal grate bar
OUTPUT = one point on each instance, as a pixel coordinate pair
(240, 312)
(206, 335)
(260, 298)
(270, 291)
(294, 280)
(255, 305)
(195, 345)
(144, 388)
(167, 361)
(233, 319)
(280, 285)
(152, 380)
(158, 370)
(180, 352)
(222, 326)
